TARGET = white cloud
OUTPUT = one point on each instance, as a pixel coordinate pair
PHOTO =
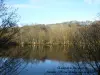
(88, 1)
(92, 1)
(23, 6)
(35, 1)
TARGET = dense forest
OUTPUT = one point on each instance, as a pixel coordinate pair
(60, 33)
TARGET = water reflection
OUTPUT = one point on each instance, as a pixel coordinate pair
(42, 60)
(38, 52)
(11, 66)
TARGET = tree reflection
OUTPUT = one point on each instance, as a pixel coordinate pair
(11, 66)
(29, 54)
(71, 68)
(22, 56)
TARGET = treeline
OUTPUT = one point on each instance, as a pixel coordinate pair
(60, 33)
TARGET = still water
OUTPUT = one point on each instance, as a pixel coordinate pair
(42, 60)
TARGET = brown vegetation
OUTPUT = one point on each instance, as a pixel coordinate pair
(8, 26)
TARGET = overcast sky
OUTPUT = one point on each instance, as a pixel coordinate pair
(55, 11)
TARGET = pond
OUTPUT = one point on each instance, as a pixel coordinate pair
(42, 60)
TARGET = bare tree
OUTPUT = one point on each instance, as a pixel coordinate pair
(8, 26)
(86, 45)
